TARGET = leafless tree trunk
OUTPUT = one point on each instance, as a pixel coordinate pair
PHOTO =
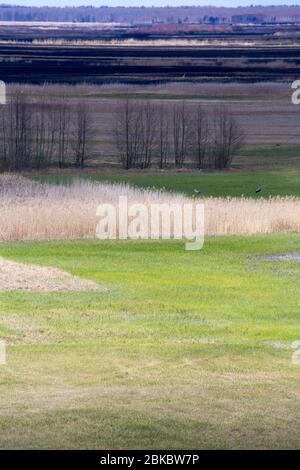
(122, 133)
(200, 136)
(146, 133)
(3, 140)
(163, 136)
(228, 137)
(43, 134)
(18, 131)
(180, 133)
(82, 133)
(63, 115)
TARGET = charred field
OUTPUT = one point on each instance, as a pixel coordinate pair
(122, 54)
(129, 64)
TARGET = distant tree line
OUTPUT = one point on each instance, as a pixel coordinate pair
(148, 133)
(43, 133)
(142, 15)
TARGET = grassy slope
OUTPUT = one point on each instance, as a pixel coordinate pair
(185, 350)
(214, 184)
(275, 168)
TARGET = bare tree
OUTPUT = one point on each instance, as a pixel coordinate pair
(43, 134)
(163, 136)
(124, 119)
(136, 128)
(63, 116)
(135, 133)
(82, 131)
(200, 136)
(146, 134)
(18, 128)
(181, 133)
(3, 140)
(228, 137)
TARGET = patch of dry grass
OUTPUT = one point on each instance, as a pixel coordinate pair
(18, 276)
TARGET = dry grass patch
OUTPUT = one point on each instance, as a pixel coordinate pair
(18, 276)
(22, 329)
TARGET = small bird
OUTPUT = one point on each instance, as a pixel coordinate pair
(197, 191)
(258, 189)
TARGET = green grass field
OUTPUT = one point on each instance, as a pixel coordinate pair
(214, 184)
(275, 168)
(183, 350)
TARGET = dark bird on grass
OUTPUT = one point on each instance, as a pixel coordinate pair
(258, 189)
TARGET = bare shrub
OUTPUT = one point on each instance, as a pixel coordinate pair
(136, 133)
(164, 130)
(43, 134)
(147, 130)
(63, 131)
(82, 133)
(34, 132)
(181, 133)
(16, 132)
(123, 133)
(200, 129)
(228, 137)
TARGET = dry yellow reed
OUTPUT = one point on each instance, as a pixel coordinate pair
(35, 211)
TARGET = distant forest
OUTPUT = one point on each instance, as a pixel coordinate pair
(153, 15)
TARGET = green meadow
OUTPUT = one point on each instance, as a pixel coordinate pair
(179, 350)
(214, 184)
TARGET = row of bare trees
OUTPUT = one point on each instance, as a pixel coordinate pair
(37, 134)
(176, 135)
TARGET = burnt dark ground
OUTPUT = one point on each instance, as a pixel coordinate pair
(267, 59)
(27, 63)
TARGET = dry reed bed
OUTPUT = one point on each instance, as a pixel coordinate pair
(34, 211)
(278, 40)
